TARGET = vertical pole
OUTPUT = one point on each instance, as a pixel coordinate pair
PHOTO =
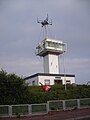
(29, 109)
(47, 106)
(64, 72)
(64, 106)
(59, 70)
(45, 31)
(78, 103)
(10, 111)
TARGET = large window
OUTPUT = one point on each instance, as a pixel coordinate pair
(55, 45)
(50, 44)
(47, 82)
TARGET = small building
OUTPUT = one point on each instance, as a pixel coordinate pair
(50, 79)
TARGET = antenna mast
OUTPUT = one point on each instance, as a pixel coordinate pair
(44, 24)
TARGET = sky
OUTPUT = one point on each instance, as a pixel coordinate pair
(20, 34)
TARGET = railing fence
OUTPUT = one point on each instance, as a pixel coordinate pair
(38, 109)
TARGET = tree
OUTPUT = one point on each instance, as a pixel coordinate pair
(13, 89)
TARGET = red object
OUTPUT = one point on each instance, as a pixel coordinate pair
(46, 88)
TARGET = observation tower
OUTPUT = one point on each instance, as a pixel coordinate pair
(50, 49)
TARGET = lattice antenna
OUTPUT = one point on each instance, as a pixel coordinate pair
(45, 23)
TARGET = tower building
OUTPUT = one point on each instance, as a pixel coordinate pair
(50, 49)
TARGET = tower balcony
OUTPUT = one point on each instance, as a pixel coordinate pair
(50, 46)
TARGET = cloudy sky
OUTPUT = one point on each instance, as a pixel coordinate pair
(20, 34)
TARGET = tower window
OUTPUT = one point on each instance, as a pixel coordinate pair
(51, 44)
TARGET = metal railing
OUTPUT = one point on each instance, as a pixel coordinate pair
(23, 110)
(44, 108)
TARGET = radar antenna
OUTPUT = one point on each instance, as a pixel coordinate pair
(45, 23)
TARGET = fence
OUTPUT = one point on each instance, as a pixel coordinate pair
(38, 109)
(23, 110)
(58, 105)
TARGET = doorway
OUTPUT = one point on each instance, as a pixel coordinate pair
(57, 82)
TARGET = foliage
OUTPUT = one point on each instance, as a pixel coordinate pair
(13, 90)
(58, 93)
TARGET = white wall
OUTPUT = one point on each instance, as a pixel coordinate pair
(42, 79)
(72, 80)
(30, 81)
(46, 64)
(51, 64)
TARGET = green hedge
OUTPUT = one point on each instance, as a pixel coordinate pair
(13, 90)
(37, 95)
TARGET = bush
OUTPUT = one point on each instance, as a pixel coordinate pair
(13, 90)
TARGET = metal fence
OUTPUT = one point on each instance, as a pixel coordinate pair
(22, 110)
(38, 109)
(57, 105)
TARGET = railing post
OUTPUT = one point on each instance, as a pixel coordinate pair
(47, 106)
(29, 109)
(10, 111)
(64, 105)
(78, 103)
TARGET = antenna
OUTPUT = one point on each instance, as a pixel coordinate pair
(45, 23)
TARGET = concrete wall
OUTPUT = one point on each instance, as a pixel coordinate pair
(51, 64)
(30, 81)
(37, 79)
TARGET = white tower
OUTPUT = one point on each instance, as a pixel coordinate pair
(50, 49)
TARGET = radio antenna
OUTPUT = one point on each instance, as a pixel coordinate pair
(45, 23)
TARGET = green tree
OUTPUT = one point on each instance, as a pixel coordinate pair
(13, 89)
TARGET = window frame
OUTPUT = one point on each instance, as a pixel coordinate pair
(47, 81)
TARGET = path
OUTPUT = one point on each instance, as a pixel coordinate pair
(60, 115)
